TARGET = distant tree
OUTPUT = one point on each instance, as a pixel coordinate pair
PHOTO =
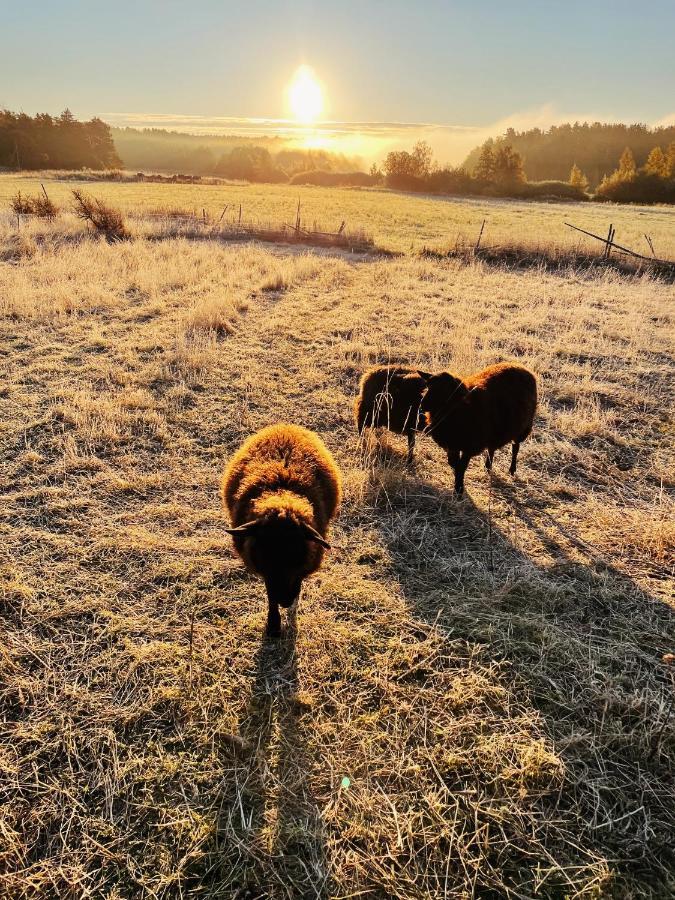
(399, 164)
(100, 152)
(424, 158)
(627, 167)
(485, 167)
(656, 164)
(670, 160)
(376, 173)
(508, 166)
(578, 179)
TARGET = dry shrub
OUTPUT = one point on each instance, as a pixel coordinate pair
(107, 220)
(44, 208)
(39, 205)
(21, 205)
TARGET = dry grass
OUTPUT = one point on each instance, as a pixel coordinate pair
(574, 261)
(472, 701)
(395, 221)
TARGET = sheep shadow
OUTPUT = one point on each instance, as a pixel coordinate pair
(581, 640)
(267, 806)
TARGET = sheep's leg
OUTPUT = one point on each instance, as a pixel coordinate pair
(489, 457)
(460, 469)
(273, 619)
(514, 456)
(453, 459)
(411, 447)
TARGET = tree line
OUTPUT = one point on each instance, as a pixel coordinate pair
(616, 162)
(55, 142)
(499, 170)
(653, 182)
(593, 147)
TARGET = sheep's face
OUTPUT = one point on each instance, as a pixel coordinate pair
(442, 392)
(282, 552)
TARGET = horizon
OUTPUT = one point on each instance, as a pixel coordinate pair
(370, 141)
(446, 73)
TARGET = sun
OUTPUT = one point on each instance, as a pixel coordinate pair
(305, 97)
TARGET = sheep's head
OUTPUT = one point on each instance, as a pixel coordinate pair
(442, 393)
(283, 551)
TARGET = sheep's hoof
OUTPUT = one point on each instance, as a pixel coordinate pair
(512, 471)
(273, 632)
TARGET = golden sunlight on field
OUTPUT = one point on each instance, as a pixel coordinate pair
(473, 697)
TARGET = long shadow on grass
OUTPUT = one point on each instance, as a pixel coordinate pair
(583, 642)
(270, 835)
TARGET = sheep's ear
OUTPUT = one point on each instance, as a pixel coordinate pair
(425, 375)
(247, 528)
(314, 535)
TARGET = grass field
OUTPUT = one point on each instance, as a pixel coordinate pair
(396, 221)
(471, 700)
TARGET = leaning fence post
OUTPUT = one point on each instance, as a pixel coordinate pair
(608, 243)
(480, 235)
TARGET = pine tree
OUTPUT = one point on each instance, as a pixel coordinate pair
(627, 169)
(578, 179)
(657, 163)
(485, 167)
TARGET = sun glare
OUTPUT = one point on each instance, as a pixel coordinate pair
(305, 97)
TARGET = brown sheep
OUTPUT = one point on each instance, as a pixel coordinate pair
(389, 397)
(485, 411)
(281, 489)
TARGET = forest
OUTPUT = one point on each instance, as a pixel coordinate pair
(55, 142)
(594, 147)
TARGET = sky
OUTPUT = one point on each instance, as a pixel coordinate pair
(453, 71)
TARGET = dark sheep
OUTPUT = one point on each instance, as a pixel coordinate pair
(485, 411)
(389, 397)
(281, 489)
